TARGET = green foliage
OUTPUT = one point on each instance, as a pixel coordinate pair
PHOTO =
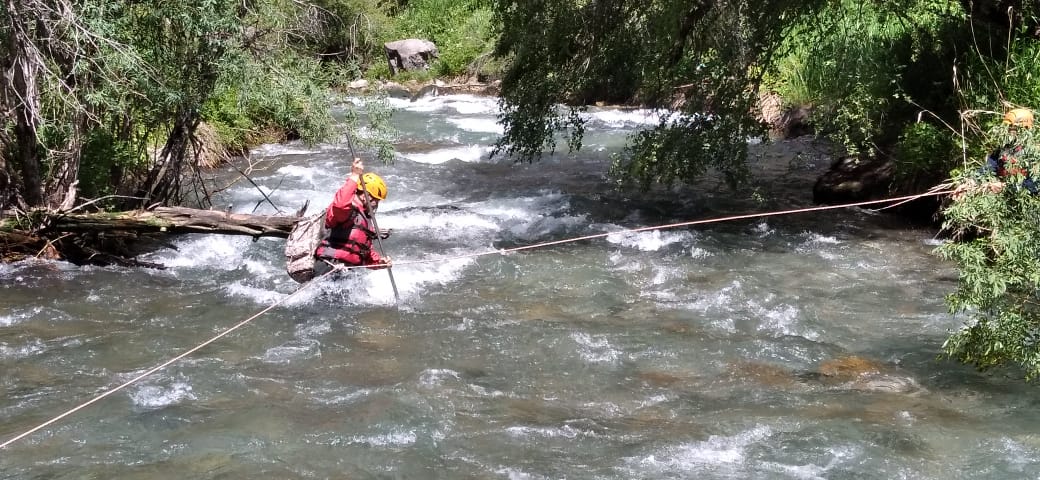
(462, 30)
(347, 31)
(863, 65)
(105, 159)
(996, 245)
(998, 78)
(703, 58)
(287, 93)
(924, 150)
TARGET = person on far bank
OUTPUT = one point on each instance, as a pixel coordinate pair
(349, 221)
(1005, 161)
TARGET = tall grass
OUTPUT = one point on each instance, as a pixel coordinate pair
(463, 31)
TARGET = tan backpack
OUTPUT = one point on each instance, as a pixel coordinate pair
(306, 235)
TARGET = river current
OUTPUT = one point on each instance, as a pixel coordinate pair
(800, 346)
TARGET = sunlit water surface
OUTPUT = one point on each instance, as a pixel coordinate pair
(798, 346)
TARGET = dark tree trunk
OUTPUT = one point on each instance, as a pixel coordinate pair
(21, 98)
(163, 185)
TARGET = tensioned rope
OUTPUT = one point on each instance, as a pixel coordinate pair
(894, 200)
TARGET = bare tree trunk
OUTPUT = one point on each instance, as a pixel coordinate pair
(21, 97)
(164, 181)
(7, 190)
(64, 173)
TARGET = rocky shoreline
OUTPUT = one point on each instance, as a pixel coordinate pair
(414, 89)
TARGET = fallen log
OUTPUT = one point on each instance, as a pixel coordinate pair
(113, 238)
(176, 220)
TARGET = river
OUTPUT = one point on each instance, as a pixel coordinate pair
(799, 346)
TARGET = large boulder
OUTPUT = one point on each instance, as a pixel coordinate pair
(783, 121)
(855, 179)
(409, 54)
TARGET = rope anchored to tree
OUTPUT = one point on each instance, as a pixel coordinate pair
(894, 201)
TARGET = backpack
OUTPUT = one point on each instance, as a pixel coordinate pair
(303, 240)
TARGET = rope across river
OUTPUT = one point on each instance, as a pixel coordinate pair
(893, 201)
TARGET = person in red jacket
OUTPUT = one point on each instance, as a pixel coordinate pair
(349, 221)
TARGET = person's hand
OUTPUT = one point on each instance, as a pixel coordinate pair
(384, 262)
(356, 170)
(961, 190)
(972, 186)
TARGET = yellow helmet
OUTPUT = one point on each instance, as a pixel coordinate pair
(375, 185)
(1019, 116)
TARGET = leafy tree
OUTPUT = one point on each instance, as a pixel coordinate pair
(995, 222)
(996, 227)
(705, 59)
(116, 90)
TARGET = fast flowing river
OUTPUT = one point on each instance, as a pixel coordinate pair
(798, 346)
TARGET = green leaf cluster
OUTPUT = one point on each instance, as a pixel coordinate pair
(700, 59)
(995, 223)
(121, 87)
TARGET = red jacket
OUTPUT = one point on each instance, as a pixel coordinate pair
(350, 232)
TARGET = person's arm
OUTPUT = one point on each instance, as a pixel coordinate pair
(343, 200)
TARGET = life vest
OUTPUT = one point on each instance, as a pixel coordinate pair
(1009, 165)
(349, 242)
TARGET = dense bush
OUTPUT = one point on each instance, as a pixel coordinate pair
(996, 237)
(463, 31)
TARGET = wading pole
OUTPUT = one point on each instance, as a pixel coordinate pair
(372, 216)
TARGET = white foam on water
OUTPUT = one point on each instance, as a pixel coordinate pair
(728, 452)
(277, 149)
(697, 252)
(637, 118)
(565, 431)
(466, 153)
(478, 125)
(257, 294)
(812, 471)
(34, 347)
(411, 280)
(223, 252)
(782, 319)
(762, 229)
(313, 330)
(8, 320)
(391, 439)
(460, 104)
(262, 269)
(649, 241)
(155, 396)
(513, 474)
(443, 224)
(307, 174)
(436, 376)
(295, 350)
(817, 239)
(595, 349)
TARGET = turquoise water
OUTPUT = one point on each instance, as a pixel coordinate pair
(802, 346)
